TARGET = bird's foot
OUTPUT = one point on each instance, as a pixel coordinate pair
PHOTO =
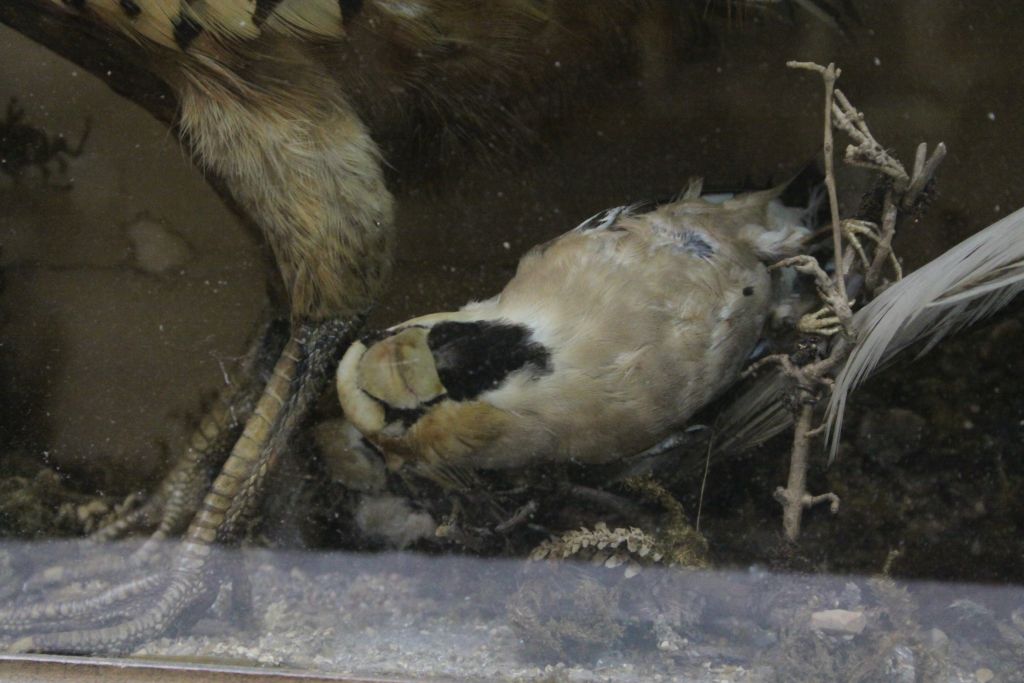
(823, 321)
(152, 590)
(168, 510)
(115, 616)
(836, 314)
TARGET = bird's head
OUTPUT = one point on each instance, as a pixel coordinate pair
(421, 390)
(385, 383)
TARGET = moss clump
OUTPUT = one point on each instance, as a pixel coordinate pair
(565, 615)
(40, 505)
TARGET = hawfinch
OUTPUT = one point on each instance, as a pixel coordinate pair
(606, 340)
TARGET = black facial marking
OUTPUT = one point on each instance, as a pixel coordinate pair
(264, 8)
(350, 8)
(474, 357)
(407, 416)
(77, 4)
(748, 291)
(131, 8)
(186, 29)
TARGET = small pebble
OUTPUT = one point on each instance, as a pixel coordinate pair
(155, 248)
(1003, 335)
(938, 639)
(984, 675)
(94, 508)
(1017, 617)
(839, 621)
(850, 597)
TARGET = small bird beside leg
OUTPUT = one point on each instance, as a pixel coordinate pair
(604, 343)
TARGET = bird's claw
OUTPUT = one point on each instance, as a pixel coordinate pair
(823, 321)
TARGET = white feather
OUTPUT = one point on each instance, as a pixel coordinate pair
(969, 282)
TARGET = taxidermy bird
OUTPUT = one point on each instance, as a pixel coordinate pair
(606, 340)
(609, 337)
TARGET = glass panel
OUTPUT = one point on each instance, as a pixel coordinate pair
(133, 295)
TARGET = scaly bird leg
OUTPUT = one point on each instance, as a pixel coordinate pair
(145, 607)
(168, 510)
(176, 500)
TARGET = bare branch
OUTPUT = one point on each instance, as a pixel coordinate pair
(883, 252)
(794, 497)
(867, 152)
(829, 75)
(924, 175)
(812, 377)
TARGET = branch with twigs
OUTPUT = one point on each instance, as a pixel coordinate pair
(835, 319)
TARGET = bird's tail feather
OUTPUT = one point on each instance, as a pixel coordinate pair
(757, 414)
(969, 282)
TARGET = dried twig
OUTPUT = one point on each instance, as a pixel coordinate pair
(794, 497)
(924, 171)
(812, 378)
(888, 231)
(867, 152)
(829, 75)
(519, 517)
